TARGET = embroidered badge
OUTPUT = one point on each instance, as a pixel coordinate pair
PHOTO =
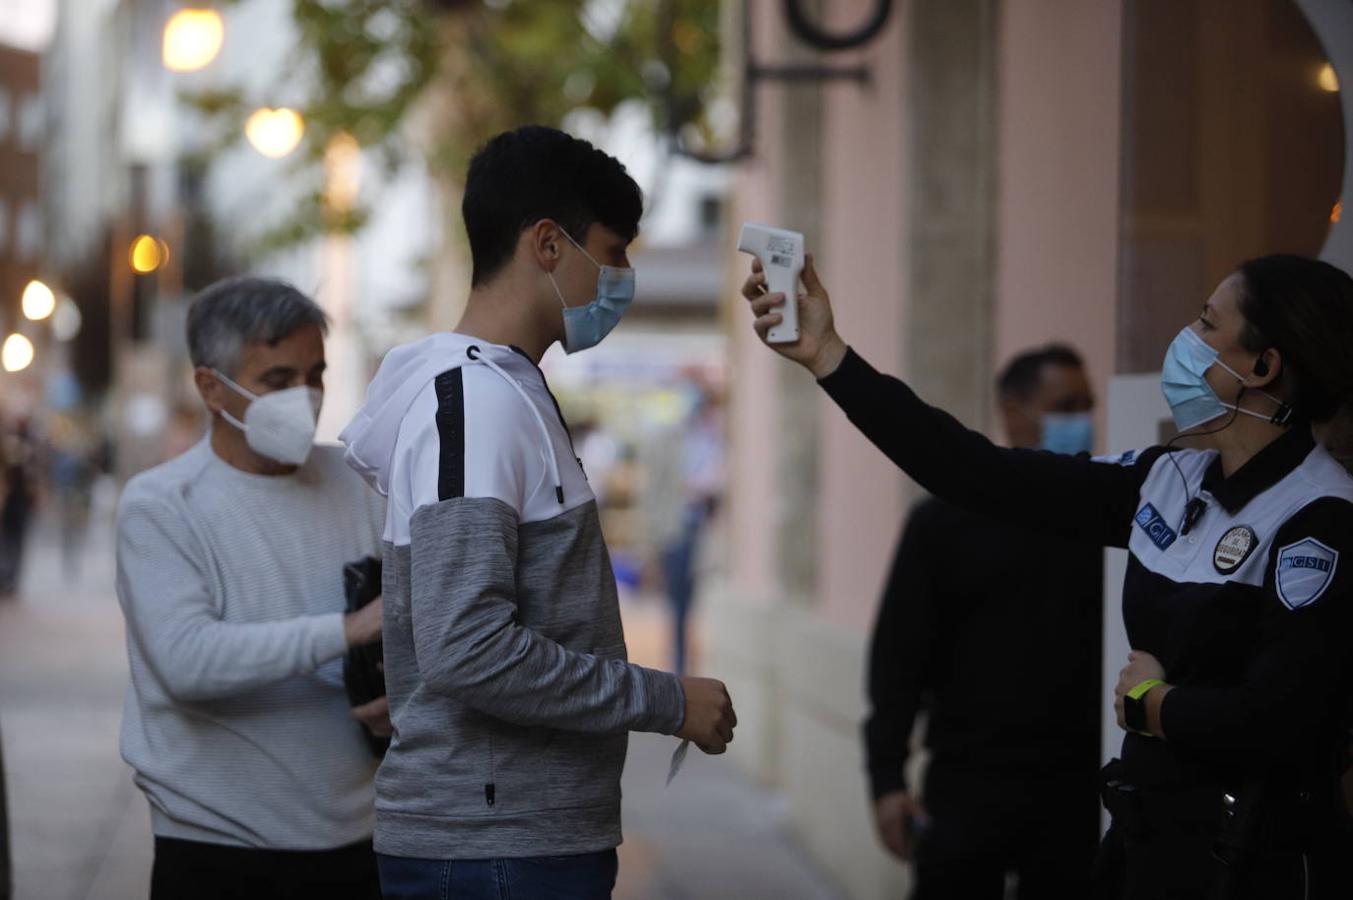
(1303, 572)
(1233, 549)
(1150, 521)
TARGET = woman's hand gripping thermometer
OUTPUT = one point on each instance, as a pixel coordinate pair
(781, 254)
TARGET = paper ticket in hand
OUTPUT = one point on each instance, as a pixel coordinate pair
(678, 757)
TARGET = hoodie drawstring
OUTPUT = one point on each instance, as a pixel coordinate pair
(552, 458)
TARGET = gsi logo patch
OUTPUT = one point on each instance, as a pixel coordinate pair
(1150, 521)
(1304, 570)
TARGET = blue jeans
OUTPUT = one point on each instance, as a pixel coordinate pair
(590, 876)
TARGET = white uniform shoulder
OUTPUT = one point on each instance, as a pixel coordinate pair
(1325, 476)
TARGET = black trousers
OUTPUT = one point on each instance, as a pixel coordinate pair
(1178, 864)
(1043, 829)
(1170, 845)
(190, 870)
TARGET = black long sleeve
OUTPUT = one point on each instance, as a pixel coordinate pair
(974, 612)
(903, 643)
(1073, 497)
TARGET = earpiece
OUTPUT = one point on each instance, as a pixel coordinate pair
(1260, 367)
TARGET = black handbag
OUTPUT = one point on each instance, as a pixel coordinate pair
(363, 675)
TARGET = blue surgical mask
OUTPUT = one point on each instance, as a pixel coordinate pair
(585, 326)
(1069, 433)
(1192, 400)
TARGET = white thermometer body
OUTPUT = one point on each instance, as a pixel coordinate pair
(781, 254)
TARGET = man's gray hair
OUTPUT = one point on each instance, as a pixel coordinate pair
(229, 314)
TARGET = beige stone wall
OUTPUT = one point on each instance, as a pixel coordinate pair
(1057, 188)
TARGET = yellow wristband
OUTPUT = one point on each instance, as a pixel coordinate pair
(1141, 690)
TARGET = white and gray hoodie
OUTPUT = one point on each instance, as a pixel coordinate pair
(505, 661)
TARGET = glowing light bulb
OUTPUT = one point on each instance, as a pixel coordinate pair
(38, 301)
(66, 321)
(17, 353)
(192, 39)
(1328, 79)
(274, 132)
(148, 253)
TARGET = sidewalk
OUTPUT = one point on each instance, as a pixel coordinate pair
(712, 834)
(79, 829)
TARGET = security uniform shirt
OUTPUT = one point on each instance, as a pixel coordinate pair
(1248, 609)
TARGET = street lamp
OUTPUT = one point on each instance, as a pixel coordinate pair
(66, 321)
(274, 132)
(148, 254)
(17, 353)
(192, 39)
(1327, 79)
(38, 301)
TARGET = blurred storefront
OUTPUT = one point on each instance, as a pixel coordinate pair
(1001, 174)
(21, 127)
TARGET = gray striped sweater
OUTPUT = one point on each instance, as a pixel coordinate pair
(505, 660)
(236, 721)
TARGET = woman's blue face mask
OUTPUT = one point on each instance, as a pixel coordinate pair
(1192, 400)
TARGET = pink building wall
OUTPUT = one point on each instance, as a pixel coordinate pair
(863, 264)
(754, 395)
(1057, 218)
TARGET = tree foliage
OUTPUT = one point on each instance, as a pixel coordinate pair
(470, 70)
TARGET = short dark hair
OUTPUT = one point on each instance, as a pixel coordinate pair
(534, 173)
(1304, 308)
(1023, 375)
(231, 313)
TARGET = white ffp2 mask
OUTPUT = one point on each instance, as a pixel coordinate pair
(280, 425)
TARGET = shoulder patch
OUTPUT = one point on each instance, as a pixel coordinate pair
(1304, 570)
(1233, 549)
(1151, 522)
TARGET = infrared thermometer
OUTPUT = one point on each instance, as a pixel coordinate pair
(781, 253)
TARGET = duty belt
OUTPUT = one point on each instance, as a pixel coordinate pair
(1256, 818)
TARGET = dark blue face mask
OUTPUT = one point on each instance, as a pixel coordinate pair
(1068, 433)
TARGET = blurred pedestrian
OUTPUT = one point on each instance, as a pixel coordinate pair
(6, 868)
(702, 473)
(1011, 783)
(230, 574)
(20, 498)
(71, 467)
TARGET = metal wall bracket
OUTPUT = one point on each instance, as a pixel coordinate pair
(754, 73)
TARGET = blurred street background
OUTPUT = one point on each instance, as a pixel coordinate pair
(974, 177)
(80, 829)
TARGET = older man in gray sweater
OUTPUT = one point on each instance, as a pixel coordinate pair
(230, 562)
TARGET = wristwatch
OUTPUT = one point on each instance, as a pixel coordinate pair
(1134, 707)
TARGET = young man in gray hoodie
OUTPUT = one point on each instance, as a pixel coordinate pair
(505, 662)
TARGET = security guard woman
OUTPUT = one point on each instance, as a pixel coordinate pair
(1238, 598)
